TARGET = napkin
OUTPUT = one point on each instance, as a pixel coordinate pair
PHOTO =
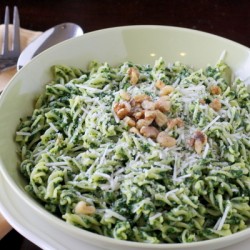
(26, 36)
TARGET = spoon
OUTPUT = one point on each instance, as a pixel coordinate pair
(47, 39)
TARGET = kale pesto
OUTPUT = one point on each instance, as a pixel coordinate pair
(73, 149)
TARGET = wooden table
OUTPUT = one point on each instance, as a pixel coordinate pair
(226, 18)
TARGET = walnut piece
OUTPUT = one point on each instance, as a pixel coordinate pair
(163, 104)
(150, 114)
(149, 131)
(141, 98)
(215, 104)
(165, 140)
(122, 109)
(82, 208)
(124, 95)
(143, 122)
(215, 90)
(148, 105)
(166, 90)
(159, 84)
(129, 121)
(134, 130)
(198, 141)
(160, 118)
(134, 75)
(175, 122)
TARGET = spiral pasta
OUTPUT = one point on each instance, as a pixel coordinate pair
(85, 166)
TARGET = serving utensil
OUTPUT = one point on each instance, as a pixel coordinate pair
(47, 39)
(8, 56)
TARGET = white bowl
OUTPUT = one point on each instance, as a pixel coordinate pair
(140, 44)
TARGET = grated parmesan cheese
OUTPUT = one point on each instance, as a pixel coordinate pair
(223, 218)
(23, 133)
(111, 213)
(210, 124)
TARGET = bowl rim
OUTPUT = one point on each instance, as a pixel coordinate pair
(82, 232)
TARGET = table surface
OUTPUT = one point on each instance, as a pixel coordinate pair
(226, 18)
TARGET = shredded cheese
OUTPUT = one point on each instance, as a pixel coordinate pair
(211, 123)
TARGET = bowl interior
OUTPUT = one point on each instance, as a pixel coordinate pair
(139, 44)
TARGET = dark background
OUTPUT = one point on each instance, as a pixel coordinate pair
(226, 18)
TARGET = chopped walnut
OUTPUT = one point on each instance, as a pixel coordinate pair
(198, 135)
(191, 142)
(160, 118)
(198, 141)
(149, 131)
(134, 130)
(175, 122)
(145, 116)
(160, 84)
(122, 109)
(139, 114)
(134, 75)
(163, 104)
(143, 122)
(82, 208)
(150, 114)
(165, 140)
(133, 103)
(129, 121)
(124, 95)
(215, 104)
(215, 90)
(202, 101)
(166, 90)
(142, 97)
(198, 146)
(148, 105)
(135, 107)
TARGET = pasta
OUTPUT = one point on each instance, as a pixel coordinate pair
(93, 162)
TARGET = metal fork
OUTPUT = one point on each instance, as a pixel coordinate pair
(8, 56)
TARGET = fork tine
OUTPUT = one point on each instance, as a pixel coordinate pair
(16, 31)
(5, 45)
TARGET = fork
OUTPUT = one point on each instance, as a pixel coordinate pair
(8, 56)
